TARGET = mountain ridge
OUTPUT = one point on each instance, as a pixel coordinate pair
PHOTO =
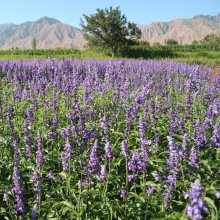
(48, 32)
(182, 30)
(51, 33)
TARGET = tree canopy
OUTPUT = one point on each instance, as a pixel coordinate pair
(211, 39)
(108, 28)
(171, 42)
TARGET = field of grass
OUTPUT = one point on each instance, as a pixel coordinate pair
(111, 139)
(202, 57)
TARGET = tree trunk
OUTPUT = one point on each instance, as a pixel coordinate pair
(113, 52)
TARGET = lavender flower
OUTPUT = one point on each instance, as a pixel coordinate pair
(194, 158)
(64, 158)
(103, 173)
(40, 156)
(6, 198)
(105, 125)
(215, 142)
(51, 175)
(93, 166)
(152, 190)
(66, 133)
(175, 154)
(135, 163)
(142, 128)
(156, 176)
(27, 139)
(34, 213)
(37, 184)
(218, 194)
(108, 152)
(197, 205)
(125, 150)
(124, 193)
(18, 189)
(68, 147)
(170, 185)
(185, 145)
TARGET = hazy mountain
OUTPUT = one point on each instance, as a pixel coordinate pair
(4, 26)
(51, 33)
(182, 30)
(48, 32)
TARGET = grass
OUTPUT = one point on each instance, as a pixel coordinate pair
(205, 57)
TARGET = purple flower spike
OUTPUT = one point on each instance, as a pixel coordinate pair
(34, 213)
(18, 189)
(170, 185)
(218, 194)
(197, 205)
(124, 193)
(135, 163)
(152, 190)
(93, 166)
(51, 175)
(156, 176)
(103, 173)
(40, 156)
(125, 150)
(6, 198)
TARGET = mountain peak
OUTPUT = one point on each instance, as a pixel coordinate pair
(215, 18)
(45, 20)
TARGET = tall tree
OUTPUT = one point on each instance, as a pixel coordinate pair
(108, 28)
(34, 43)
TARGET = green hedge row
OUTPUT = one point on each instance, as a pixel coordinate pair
(49, 52)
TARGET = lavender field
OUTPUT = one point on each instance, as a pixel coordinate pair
(122, 139)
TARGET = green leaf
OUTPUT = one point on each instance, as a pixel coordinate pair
(68, 204)
(214, 212)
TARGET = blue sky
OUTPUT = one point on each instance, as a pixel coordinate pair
(138, 11)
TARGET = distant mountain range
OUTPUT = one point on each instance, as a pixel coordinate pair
(183, 30)
(48, 32)
(51, 33)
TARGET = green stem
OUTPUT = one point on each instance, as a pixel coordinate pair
(87, 197)
(147, 207)
(126, 161)
(183, 175)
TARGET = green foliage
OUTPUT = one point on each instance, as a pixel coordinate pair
(171, 42)
(195, 42)
(144, 43)
(41, 52)
(156, 44)
(108, 28)
(211, 39)
(34, 43)
(200, 53)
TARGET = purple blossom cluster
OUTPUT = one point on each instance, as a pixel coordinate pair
(17, 188)
(93, 165)
(134, 164)
(197, 205)
(40, 156)
(83, 109)
(37, 185)
(170, 186)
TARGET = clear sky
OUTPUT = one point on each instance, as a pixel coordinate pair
(70, 11)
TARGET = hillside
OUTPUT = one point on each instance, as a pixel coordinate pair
(182, 30)
(48, 32)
